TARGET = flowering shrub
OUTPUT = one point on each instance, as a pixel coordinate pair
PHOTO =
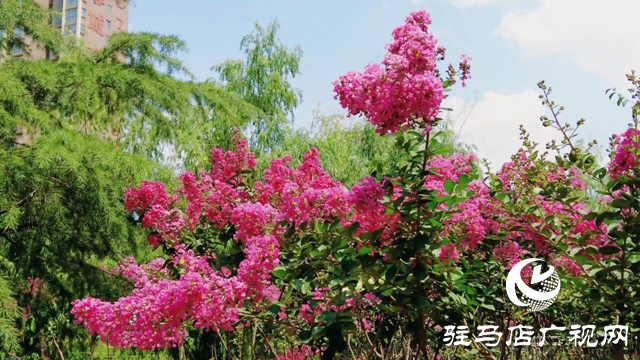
(379, 268)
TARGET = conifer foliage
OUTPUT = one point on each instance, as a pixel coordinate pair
(74, 133)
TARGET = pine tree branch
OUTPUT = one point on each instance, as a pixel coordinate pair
(21, 202)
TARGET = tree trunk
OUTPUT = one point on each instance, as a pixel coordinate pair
(44, 347)
(94, 343)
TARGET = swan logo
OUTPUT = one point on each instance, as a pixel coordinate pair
(544, 287)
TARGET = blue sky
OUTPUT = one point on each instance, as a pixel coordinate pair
(580, 47)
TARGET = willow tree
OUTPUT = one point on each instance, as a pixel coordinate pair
(262, 80)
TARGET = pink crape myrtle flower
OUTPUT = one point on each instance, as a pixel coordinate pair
(448, 253)
(404, 89)
(626, 153)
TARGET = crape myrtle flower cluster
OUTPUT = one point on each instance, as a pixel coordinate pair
(626, 156)
(405, 89)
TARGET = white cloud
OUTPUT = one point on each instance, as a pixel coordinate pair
(492, 123)
(599, 37)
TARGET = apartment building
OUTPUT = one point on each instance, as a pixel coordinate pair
(93, 21)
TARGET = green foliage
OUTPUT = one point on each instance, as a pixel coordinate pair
(262, 80)
(61, 217)
(350, 148)
(119, 92)
(9, 313)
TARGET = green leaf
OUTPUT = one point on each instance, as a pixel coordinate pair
(305, 288)
(574, 251)
(274, 309)
(306, 337)
(609, 250)
(351, 229)
(607, 215)
(572, 157)
(336, 282)
(591, 250)
(621, 204)
(318, 330)
(328, 316)
(590, 216)
(600, 173)
(623, 179)
(420, 272)
(391, 273)
(580, 259)
(376, 234)
(420, 301)
(464, 179)
(365, 250)
(502, 197)
(449, 185)
(280, 272)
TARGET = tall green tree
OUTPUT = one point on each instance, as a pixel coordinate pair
(263, 81)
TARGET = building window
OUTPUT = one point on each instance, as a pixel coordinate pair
(82, 29)
(71, 15)
(71, 3)
(57, 4)
(106, 40)
(84, 12)
(57, 20)
(17, 49)
(109, 9)
(119, 24)
(71, 29)
(108, 25)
